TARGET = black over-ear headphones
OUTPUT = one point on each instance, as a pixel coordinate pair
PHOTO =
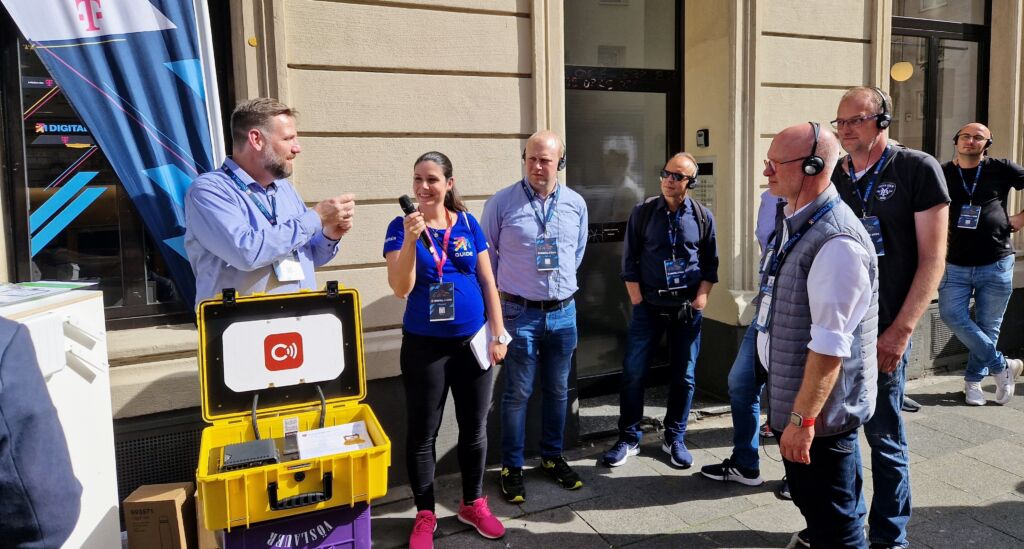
(884, 118)
(813, 164)
(988, 142)
(561, 160)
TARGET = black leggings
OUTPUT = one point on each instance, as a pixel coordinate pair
(430, 365)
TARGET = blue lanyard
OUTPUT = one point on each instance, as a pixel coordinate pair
(675, 223)
(779, 257)
(866, 201)
(542, 220)
(977, 176)
(271, 217)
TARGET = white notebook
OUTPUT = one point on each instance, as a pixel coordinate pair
(481, 346)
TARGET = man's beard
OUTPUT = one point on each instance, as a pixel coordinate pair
(276, 165)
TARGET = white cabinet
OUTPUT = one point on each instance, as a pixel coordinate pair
(69, 335)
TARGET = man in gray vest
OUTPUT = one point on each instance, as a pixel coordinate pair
(817, 318)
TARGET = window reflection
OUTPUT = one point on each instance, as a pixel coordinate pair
(961, 11)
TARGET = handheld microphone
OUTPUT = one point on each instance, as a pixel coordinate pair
(406, 203)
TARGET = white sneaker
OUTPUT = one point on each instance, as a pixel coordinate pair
(973, 394)
(1007, 380)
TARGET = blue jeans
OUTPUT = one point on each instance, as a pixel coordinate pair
(828, 491)
(542, 341)
(745, 401)
(645, 331)
(991, 286)
(890, 462)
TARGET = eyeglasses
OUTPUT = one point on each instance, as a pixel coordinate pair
(853, 123)
(675, 176)
(773, 166)
(978, 138)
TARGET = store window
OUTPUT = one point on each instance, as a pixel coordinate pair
(939, 72)
(71, 219)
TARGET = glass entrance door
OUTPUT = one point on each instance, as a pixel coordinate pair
(622, 121)
(939, 74)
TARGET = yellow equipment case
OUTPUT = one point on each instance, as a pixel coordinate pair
(266, 364)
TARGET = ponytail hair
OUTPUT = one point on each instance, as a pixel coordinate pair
(451, 198)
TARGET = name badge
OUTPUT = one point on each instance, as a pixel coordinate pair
(969, 216)
(874, 228)
(442, 301)
(547, 254)
(674, 279)
(765, 306)
(289, 269)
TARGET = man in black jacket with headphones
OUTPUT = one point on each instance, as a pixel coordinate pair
(901, 197)
(980, 259)
(669, 264)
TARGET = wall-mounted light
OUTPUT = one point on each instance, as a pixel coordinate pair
(902, 71)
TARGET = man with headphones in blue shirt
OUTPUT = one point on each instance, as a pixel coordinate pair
(669, 264)
(979, 262)
(537, 229)
(901, 198)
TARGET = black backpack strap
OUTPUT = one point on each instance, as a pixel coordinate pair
(700, 213)
(646, 212)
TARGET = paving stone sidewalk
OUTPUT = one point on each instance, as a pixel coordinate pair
(967, 476)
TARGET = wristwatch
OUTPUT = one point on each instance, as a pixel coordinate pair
(800, 421)
(504, 338)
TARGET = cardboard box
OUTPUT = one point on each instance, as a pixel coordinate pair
(161, 516)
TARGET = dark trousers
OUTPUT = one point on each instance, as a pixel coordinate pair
(430, 366)
(828, 491)
(647, 326)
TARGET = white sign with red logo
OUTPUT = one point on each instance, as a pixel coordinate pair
(45, 20)
(280, 352)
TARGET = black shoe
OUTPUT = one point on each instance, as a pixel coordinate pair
(910, 405)
(727, 470)
(783, 491)
(512, 484)
(800, 540)
(560, 472)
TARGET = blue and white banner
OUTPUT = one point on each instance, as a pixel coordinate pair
(138, 72)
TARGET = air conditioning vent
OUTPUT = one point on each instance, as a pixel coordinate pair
(944, 343)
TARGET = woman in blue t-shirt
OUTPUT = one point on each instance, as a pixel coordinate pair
(450, 294)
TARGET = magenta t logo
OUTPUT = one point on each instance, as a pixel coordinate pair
(89, 14)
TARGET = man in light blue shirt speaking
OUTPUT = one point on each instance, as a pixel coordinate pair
(537, 229)
(246, 226)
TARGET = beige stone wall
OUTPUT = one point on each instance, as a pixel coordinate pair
(1006, 91)
(378, 84)
(752, 68)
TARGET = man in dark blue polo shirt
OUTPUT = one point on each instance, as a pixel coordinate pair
(669, 263)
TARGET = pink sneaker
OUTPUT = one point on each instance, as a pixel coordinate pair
(479, 516)
(422, 536)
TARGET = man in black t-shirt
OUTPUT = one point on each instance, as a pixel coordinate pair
(901, 197)
(980, 259)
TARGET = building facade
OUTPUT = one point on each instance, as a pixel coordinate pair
(627, 82)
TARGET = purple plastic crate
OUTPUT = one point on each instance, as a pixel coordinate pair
(341, 527)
